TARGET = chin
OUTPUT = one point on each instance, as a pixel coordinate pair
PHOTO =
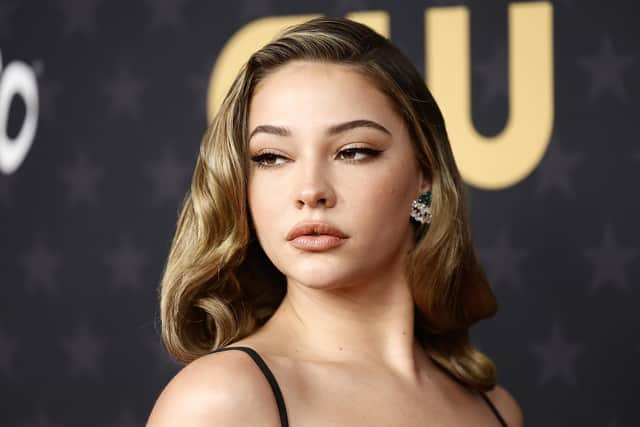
(320, 278)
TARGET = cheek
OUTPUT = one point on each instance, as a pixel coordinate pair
(260, 202)
(386, 197)
(267, 202)
(385, 215)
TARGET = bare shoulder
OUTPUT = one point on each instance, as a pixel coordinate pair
(507, 406)
(220, 389)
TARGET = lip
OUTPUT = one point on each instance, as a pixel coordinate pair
(306, 228)
(315, 236)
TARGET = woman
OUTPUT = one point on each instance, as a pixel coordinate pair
(322, 272)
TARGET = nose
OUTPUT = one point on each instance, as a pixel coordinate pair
(314, 189)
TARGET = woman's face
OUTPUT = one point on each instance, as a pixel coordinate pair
(328, 150)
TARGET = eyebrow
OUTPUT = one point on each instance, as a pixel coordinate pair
(333, 130)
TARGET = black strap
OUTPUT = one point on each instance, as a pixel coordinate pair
(282, 410)
(284, 420)
(495, 411)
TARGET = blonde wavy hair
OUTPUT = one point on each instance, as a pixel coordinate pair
(218, 285)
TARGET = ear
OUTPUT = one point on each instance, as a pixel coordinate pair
(425, 183)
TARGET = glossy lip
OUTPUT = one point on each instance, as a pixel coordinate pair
(315, 236)
(318, 243)
(314, 228)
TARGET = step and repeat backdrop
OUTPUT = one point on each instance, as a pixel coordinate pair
(102, 107)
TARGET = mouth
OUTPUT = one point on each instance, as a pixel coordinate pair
(316, 236)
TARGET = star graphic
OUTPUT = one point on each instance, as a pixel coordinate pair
(40, 264)
(8, 349)
(83, 350)
(557, 356)
(606, 69)
(39, 419)
(555, 169)
(124, 91)
(80, 15)
(503, 261)
(610, 262)
(494, 71)
(169, 177)
(81, 179)
(167, 13)
(125, 263)
(7, 9)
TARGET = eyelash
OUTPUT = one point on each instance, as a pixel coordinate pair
(370, 152)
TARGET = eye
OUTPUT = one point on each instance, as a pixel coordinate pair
(358, 154)
(266, 160)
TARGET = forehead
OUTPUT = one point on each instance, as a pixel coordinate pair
(318, 93)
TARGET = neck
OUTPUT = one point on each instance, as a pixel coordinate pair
(370, 323)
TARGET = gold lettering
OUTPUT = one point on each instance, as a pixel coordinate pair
(507, 158)
(485, 162)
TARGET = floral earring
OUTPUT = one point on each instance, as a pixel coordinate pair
(421, 208)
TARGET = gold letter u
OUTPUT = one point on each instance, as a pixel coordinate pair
(507, 158)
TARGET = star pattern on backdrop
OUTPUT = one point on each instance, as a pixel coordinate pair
(125, 263)
(606, 70)
(8, 349)
(81, 179)
(503, 262)
(556, 168)
(558, 357)
(169, 177)
(124, 92)
(79, 15)
(610, 262)
(40, 264)
(494, 74)
(84, 351)
(167, 14)
(119, 58)
(7, 10)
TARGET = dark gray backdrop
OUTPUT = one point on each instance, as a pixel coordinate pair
(86, 221)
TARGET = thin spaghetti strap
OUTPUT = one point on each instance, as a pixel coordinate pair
(282, 410)
(495, 411)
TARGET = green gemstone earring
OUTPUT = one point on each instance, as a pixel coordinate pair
(421, 208)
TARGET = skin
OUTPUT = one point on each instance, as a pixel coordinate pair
(341, 343)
